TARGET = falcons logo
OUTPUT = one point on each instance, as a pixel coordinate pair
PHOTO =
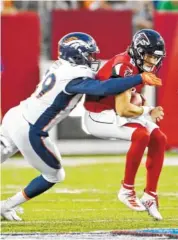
(128, 72)
(142, 39)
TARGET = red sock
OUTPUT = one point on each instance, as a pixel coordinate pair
(140, 139)
(155, 158)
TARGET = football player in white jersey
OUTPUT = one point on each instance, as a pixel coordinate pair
(25, 127)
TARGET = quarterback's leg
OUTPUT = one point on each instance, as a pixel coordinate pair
(106, 125)
(139, 142)
(154, 163)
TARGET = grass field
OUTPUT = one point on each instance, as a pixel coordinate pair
(87, 200)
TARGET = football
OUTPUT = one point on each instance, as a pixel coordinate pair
(136, 99)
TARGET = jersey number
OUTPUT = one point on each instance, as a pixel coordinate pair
(47, 85)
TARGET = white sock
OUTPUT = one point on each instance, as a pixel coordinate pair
(15, 200)
(154, 193)
(127, 185)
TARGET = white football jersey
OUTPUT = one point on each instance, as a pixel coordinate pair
(50, 103)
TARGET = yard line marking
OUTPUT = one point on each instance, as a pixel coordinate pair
(103, 235)
(93, 209)
(78, 220)
(21, 163)
(10, 189)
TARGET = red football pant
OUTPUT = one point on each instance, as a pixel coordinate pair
(140, 139)
(156, 142)
(155, 159)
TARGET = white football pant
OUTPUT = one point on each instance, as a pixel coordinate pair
(39, 151)
(108, 125)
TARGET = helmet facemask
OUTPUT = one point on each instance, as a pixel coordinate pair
(91, 60)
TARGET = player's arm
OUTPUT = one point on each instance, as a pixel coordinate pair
(125, 108)
(111, 86)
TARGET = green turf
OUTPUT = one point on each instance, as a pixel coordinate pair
(92, 202)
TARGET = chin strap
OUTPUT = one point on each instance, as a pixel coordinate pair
(148, 69)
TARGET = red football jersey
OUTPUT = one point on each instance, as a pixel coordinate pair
(120, 65)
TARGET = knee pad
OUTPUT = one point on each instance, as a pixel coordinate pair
(141, 134)
(57, 176)
(60, 176)
(159, 136)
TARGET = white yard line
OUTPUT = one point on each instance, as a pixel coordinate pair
(94, 209)
(79, 220)
(22, 163)
(79, 236)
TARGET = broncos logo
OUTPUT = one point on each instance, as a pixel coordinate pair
(70, 39)
(77, 44)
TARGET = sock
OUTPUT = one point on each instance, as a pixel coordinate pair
(15, 200)
(155, 159)
(140, 139)
(127, 186)
(35, 188)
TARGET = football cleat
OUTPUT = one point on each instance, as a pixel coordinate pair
(10, 214)
(151, 204)
(129, 198)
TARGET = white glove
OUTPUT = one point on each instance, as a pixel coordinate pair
(5, 145)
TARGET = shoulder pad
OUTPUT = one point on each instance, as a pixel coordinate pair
(82, 71)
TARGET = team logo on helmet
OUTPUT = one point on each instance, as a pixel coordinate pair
(142, 39)
(70, 39)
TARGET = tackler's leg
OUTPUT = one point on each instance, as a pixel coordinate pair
(43, 155)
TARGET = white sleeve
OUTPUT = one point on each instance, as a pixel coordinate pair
(69, 73)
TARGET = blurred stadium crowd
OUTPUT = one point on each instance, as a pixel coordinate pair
(142, 12)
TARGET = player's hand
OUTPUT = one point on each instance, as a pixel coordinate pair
(5, 146)
(150, 79)
(157, 114)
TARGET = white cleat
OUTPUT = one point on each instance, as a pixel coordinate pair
(10, 214)
(129, 198)
(151, 205)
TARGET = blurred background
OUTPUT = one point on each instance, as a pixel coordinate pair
(30, 31)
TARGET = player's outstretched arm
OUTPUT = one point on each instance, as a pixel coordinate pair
(111, 86)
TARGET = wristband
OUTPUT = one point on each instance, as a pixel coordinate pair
(147, 109)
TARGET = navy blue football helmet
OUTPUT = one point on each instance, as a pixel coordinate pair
(80, 49)
(147, 41)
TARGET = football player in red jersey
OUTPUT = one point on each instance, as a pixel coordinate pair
(116, 117)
